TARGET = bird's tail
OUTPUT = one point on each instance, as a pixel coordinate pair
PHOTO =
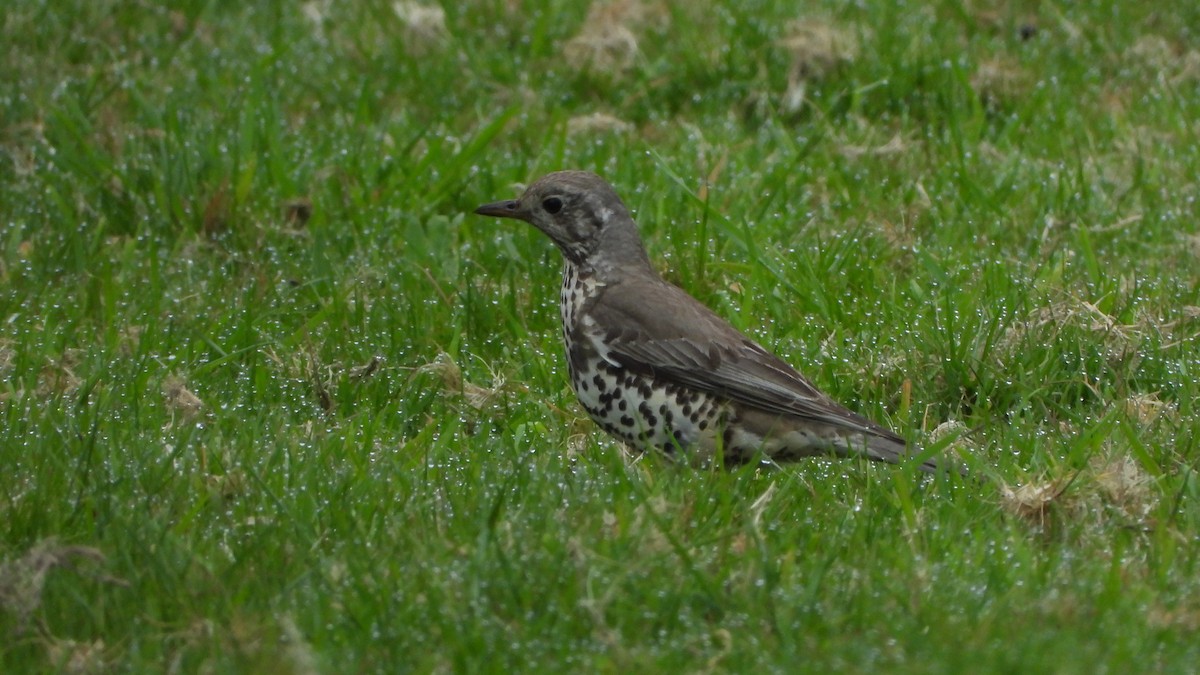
(896, 451)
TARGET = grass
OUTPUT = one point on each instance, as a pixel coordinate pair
(273, 400)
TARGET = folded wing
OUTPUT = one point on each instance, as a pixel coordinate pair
(725, 362)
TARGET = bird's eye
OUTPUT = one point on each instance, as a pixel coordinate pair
(552, 205)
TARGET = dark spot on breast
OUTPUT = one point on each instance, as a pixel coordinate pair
(647, 414)
(672, 443)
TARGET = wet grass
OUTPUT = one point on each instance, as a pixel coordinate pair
(272, 400)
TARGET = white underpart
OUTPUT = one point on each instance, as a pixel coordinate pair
(595, 337)
(700, 442)
(797, 439)
(569, 306)
(688, 433)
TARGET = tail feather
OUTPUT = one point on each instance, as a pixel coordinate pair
(896, 451)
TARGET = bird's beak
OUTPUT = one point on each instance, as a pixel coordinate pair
(508, 209)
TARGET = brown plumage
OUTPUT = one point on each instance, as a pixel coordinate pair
(659, 370)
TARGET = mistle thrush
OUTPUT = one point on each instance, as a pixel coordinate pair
(656, 368)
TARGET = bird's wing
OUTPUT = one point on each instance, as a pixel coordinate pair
(686, 341)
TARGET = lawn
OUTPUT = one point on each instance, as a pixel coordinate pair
(272, 399)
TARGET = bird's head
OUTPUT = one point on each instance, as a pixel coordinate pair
(582, 215)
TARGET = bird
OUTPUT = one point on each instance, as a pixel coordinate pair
(660, 371)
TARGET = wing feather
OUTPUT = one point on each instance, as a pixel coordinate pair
(689, 343)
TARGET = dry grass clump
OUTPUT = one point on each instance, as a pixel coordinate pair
(608, 41)
(23, 579)
(1000, 81)
(1120, 341)
(1033, 500)
(597, 123)
(1171, 62)
(8, 356)
(817, 48)
(179, 399)
(475, 395)
(1112, 488)
(424, 25)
